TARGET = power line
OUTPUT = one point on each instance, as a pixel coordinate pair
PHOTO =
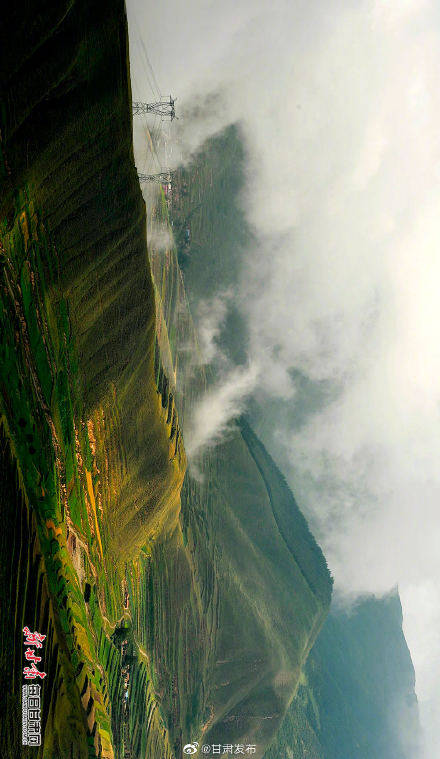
(159, 109)
(150, 67)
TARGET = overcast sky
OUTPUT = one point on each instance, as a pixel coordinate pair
(339, 105)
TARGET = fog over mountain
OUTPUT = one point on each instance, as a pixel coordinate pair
(339, 108)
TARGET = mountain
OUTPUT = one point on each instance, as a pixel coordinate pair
(174, 608)
(178, 605)
(230, 620)
(357, 694)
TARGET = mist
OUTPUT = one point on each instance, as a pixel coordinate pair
(339, 107)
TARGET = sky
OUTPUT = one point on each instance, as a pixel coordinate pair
(339, 107)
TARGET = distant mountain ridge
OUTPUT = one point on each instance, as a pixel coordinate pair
(357, 696)
(290, 520)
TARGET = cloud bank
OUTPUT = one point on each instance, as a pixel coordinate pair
(222, 403)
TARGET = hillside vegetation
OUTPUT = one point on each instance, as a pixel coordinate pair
(95, 464)
(231, 619)
(164, 621)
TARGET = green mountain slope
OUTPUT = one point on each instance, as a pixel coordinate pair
(96, 462)
(356, 699)
(67, 143)
(230, 622)
(162, 621)
(270, 591)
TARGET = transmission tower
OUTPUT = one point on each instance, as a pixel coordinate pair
(164, 108)
(163, 176)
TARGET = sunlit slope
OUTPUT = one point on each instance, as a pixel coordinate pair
(94, 460)
(230, 620)
(356, 699)
(67, 137)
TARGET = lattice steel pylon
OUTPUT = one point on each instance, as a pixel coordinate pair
(163, 176)
(164, 108)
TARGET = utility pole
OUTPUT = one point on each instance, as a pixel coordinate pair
(164, 108)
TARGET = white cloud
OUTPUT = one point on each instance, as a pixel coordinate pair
(213, 416)
(210, 319)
